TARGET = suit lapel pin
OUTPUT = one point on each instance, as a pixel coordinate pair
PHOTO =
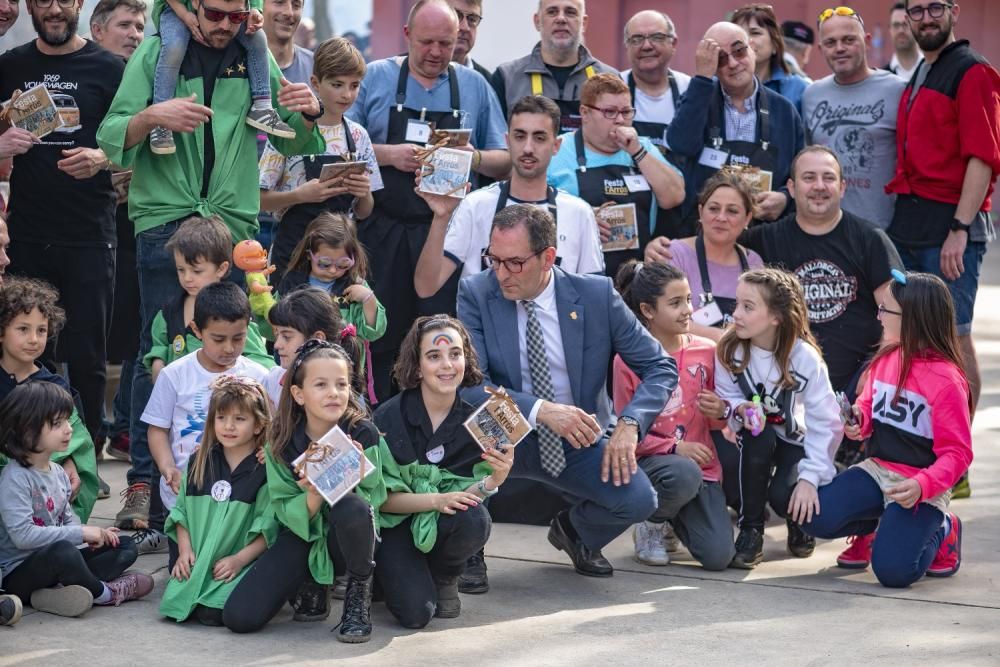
(572, 314)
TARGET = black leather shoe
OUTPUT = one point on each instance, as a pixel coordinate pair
(474, 579)
(311, 602)
(799, 544)
(749, 549)
(586, 561)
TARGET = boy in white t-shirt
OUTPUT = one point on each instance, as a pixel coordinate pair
(179, 403)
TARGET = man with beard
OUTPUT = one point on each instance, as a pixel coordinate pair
(557, 67)
(68, 240)
(853, 111)
(948, 156)
(905, 54)
(9, 10)
(470, 15)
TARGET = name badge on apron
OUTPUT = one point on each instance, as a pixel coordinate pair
(711, 157)
(435, 455)
(636, 183)
(708, 316)
(418, 131)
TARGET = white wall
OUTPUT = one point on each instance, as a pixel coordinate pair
(506, 32)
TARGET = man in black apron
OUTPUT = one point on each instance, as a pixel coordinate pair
(402, 100)
(608, 165)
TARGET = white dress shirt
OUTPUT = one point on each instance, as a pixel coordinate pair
(548, 320)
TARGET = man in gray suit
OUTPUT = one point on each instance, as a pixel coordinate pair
(548, 337)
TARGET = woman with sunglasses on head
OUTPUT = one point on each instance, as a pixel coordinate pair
(433, 519)
(769, 48)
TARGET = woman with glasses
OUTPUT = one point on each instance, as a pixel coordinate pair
(769, 49)
(433, 519)
(612, 168)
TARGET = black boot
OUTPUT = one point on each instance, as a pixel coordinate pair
(449, 605)
(749, 549)
(799, 544)
(474, 579)
(356, 623)
(311, 602)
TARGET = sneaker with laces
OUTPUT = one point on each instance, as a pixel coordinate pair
(129, 586)
(161, 141)
(475, 579)
(117, 448)
(67, 601)
(949, 556)
(670, 538)
(858, 554)
(150, 541)
(650, 545)
(10, 609)
(268, 120)
(749, 549)
(134, 515)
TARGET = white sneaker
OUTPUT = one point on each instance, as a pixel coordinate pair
(650, 547)
(150, 541)
(670, 538)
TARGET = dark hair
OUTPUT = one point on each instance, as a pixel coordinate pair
(815, 148)
(310, 309)
(102, 12)
(537, 104)
(927, 326)
(765, 18)
(731, 177)
(290, 413)
(204, 239)
(540, 225)
(643, 283)
(25, 412)
(337, 231)
(897, 6)
(223, 301)
(229, 393)
(407, 368)
(21, 296)
(784, 298)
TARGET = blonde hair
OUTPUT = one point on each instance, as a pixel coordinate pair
(337, 57)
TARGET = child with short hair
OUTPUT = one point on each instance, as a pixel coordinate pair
(771, 373)
(223, 519)
(178, 406)
(177, 22)
(290, 187)
(202, 248)
(41, 558)
(29, 315)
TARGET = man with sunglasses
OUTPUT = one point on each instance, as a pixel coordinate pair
(62, 204)
(853, 111)
(948, 157)
(548, 337)
(728, 117)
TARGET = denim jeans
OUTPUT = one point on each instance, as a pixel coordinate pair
(122, 405)
(174, 38)
(963, 290)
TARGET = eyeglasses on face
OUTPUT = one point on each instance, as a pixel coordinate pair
(611, 114)
(882, 310)
(326, 263)
(217, 15)
(45, 4)
(472, 19)
(658, 38)
(736, 53)
(838, 11)
(513, 265)
(935, 9)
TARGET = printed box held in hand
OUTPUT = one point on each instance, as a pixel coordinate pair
(334, 465)
(497, 423)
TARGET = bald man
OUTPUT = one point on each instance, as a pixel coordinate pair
(399, 96)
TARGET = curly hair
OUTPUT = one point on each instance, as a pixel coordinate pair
(407, 368)
(21, 296)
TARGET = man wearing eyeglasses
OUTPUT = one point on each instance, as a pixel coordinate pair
(62, 205)
(608, 165)
(728, 117)
(948, 156)
(557, 67)
(905, 53)
(470, 15)
(548, 337)
(853, 111)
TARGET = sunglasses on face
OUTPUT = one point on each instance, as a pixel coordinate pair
(217, 15)
(736, 53)
(935, 9)
(838, 11)
(326, 263)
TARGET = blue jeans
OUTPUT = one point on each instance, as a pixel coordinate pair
(907, 539)
(157, 285)
(174, 37)
(122, 404)
(604, 511)
(963, 291)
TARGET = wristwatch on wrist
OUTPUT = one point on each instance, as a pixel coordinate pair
(631, 421)
(959, 226)
(312, 118)
(483, 491)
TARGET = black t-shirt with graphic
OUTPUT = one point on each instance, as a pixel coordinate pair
(839, 272)
(48, 205)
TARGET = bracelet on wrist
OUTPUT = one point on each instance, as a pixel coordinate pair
(639, 155)
(477, 159)
(483, 491)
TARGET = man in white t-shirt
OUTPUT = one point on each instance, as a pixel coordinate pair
(650, 41)
(460, 230)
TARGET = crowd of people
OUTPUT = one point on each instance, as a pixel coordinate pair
(707, 293)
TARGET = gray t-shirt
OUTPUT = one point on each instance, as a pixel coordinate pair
(301, 67)
(858, 121)
(35, 512)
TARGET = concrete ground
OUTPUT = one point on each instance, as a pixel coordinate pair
(787, 611)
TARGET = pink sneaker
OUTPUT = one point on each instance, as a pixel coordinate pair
(858, 553)
(949, 556)
(129, 586)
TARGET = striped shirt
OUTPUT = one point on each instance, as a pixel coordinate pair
(741, 125)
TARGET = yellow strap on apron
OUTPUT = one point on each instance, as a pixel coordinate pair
(590, 71)
(536, 84)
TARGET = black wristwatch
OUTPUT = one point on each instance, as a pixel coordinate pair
(959, 226)
(312, 118)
